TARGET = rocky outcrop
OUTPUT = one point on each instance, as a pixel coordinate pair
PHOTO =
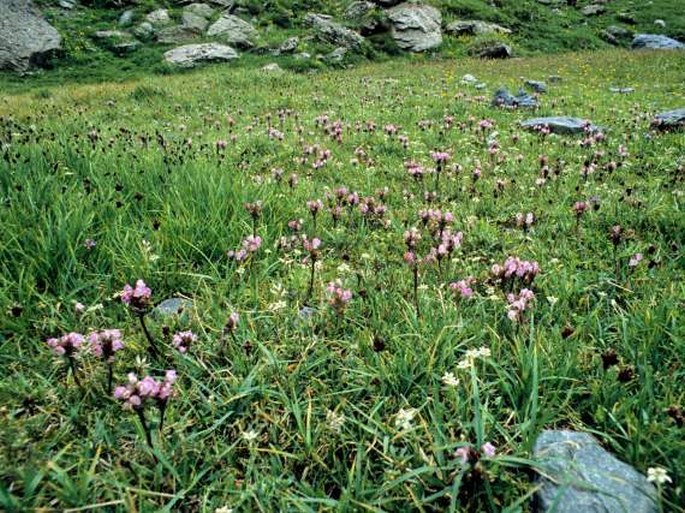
(331, 32)
(233, 30)
(25, 37)
(189, 56)
(474, 28)
(577, 475)
(656, 42)
(415, 27)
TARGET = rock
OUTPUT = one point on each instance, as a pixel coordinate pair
(289, 45)
(474, 28)
(609, 38)
(388, 3)
(144, 31)
(618, 31)
(493, 51)
(660, 23)
(593, 10)
(331, 32)
(202, 10)
(126, 18)
(233, 30)
(415, 27)
(272, 67)
(537, 86)
(177, 34)
(469, 79)
(560, 125)
(189, 55)
(367, 17)
(117, 41)
(357, 10)
(158, 18)
(227, 5)
(306, 313)
(67, 4)
(655, 42)
(670, 120)
(336, 55)
(193, 22)
(626, 18)
(25, 37)
(504, 98)
(555, 79)
(302, 56)
(172, 306)
(578, 475)
(621, 90)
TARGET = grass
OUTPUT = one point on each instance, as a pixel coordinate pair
(348, 411)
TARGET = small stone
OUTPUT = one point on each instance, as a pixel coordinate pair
(621, 90)
(189, 55)
(537, 86)
(593, 10)
(307, 313)
(289, 45)
(660, 23)
(158, 17)
(494, 51)
(126, 18)
(272, 68)
(173, 306)
(554, 79)
(144, 31)
(469, 79)
(503, 98)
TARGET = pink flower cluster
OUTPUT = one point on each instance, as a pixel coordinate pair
(339, 297)
(250, 246)
(519, 303)
(137, 298)
(66, 345)
(134, 393)
(468, 453)
(440, 157)
(513, 268)
(104, 344)
(463, 287)
(448, 243)
(183, 340)
(414, 169)
(525, 221)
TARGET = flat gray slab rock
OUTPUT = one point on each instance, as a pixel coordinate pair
(190, 55)
(561, 125)
(25, 36)
(656, 42)
(670, 120)
(578, 476)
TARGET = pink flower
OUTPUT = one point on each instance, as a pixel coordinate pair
(635, 260)
(488, 449)
(232, 322)
(339, 297)
(137, 298)
(183, 340)
(104, 344)
(463, 453)
(67, 344)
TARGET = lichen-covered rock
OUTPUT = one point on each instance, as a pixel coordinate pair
(331, 32)
(26, 38)
(415, 27)
(656, 42)
(474, 28)
(159, 17)
(188, 56)
(233, 30)
(578, 475)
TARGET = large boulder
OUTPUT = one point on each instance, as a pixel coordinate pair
(331, 32)
(415, 27)
(577, 475)
(25, 37)
(656, 42)
(190, 55)
(670, 120)
(474, 28)
(233, 30)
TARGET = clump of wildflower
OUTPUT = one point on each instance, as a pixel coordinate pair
(468, 453)
(249, 247)
(104, 344)
(138, 298)
(635, 260)
(514, 268)
(183, 340)
(339, 297)
(472, 355)
(579, 208)
(658, 475)
(463, 287)
(525, 221)
(449, 380)
(66, 345)
(615, 235)
(518, 304)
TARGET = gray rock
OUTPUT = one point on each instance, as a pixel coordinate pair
(621, 90)
(144, 31)
(493, 51)
(670, 120)
(173, 306)
(126, 18)
(537, 86)
(227, 5)
(555, 79)
(367, 17)
(331, 32)
(202, 10)
(357, 10)
(117, 41)
(656, 42)
(177, 34)
(415, 27)
(302, 56)
(618, 31)
(158, 17)
(578, 476)
(504, 98)
(188, 56)
(593, 10)
(67, 4)
(272, 67)
(289, 45)
(387, 3)
(307, 313)
(561, 125)
(193, 22)
(660, 23)
(233, 30)
(609, 38)
(336, 55)
(474, 28)
(469, 79)
(626, 18)
(25, 37)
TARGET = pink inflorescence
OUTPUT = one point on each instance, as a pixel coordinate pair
(514, 268)
(137, 298)
(518, 303)
(104, 344)
(136, 391)
(339, 297)
(463, 287)
(183, 340)
(250, 246)
(66, 345)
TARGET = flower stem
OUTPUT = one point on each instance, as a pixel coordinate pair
(152, 347)
(72, 366)
(148, 437)
(416, 291)
(310, 290)
(110, 377)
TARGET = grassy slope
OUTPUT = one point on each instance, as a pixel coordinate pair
(65, 448)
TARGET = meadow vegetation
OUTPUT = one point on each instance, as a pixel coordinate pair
(393, 287)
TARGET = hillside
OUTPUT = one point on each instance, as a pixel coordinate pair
(114, 39)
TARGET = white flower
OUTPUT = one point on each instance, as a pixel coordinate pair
(335, 421)
(552, 300)
(465, 363)
(658, 475)
(250, 436)
(276, 306)
(404, 418)
(225, 509)
(450, 380)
